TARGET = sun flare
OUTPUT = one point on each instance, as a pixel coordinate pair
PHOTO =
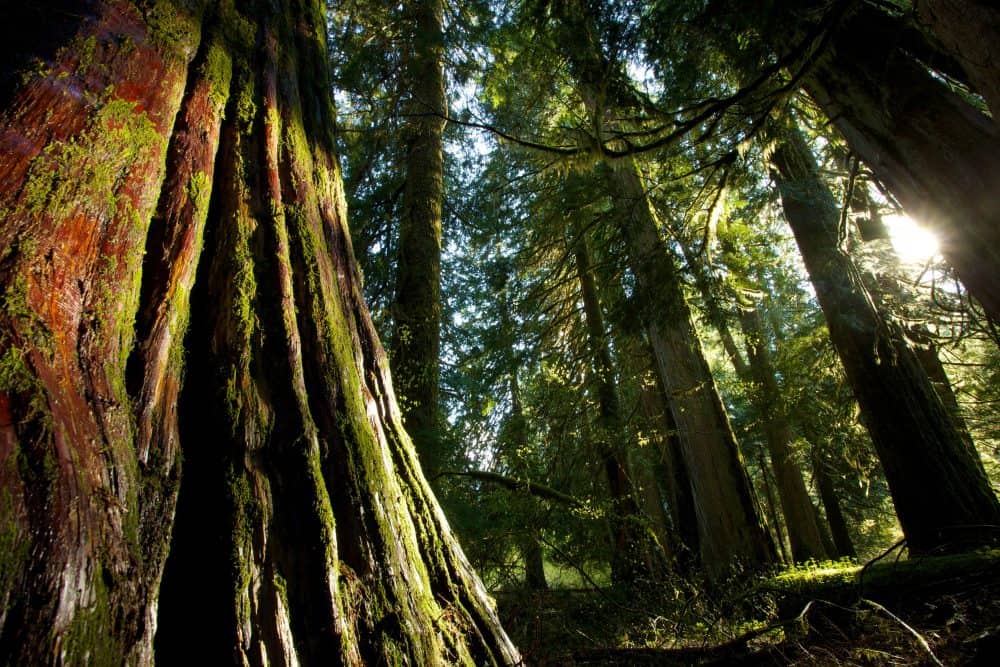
(913, 243)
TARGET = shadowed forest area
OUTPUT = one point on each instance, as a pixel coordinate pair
(690, 317)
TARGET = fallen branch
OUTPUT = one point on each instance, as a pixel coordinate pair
(920, 638)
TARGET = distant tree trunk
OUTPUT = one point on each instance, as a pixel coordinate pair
(628, 548)
(534, 562)
(937, 154)
(796, 506)
(831, 505)
(804, 533)
(970, 32)
(730, 528)
(772, 509)
(416, 340)
(166, 163)
(942, 496)
(530, 542)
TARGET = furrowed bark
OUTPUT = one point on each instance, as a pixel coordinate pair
(941, 494)
(970, 31)
(304, 529)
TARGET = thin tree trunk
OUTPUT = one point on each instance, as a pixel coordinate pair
(627, 554)
(942, 496)
(416, 340)
(803, 530)
(772, 510)
(831, 505)
(730, 528)
(534, 562)
(304, 529)
(938, 155)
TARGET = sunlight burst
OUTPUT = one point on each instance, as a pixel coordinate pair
(912, 242)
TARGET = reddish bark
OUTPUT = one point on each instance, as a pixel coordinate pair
(320, 539)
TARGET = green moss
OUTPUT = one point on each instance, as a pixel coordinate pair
(95, 163)
(240, 34)
(15, 377)
(218, 70)
(246, 515)
(174, 28)
(85, 50)
(90, 637)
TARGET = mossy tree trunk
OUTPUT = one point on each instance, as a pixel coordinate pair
(940, 490)
(416, 339)
(173, 161)
(938, 155)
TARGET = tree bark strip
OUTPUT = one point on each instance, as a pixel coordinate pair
(304, 527)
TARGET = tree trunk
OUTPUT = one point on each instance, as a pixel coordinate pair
(796, 506)
(628, 550)
(804, 533)
(969, 31)
(772, 510)
(729, 524)
(168, 162)
(831, 505)
(534, 562)
(416, 340)
(938, 155)
(941, 494)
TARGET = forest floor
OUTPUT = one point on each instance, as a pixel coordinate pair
(920, 611)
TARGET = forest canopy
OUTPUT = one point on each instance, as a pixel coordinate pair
(689, 308)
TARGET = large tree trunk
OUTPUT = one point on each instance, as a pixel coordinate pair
(305, 531)
(416, 340)
(970, 32)
(941, 494)
(937, 154)
(730, 528)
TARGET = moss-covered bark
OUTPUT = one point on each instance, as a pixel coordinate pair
(173, 161)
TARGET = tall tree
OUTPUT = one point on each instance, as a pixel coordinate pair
(167, 161)
(941, 494)
(939, 155)
(629, 549)
(416, 339)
